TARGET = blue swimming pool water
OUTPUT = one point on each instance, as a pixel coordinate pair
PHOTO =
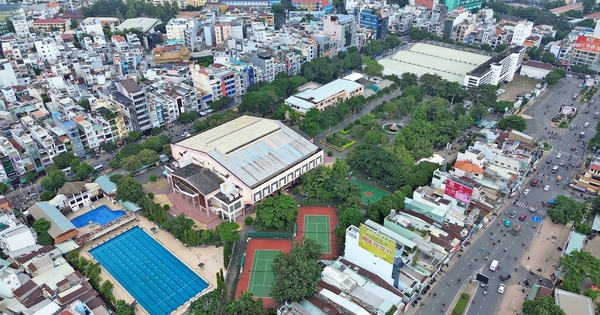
(159, 281)
(100, 215)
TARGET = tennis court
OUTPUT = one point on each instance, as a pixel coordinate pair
(368, 192)
(316, 227)
(262, 274)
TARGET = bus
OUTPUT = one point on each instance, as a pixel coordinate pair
(494, 265)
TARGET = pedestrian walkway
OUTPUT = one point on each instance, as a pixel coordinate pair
(524, 204)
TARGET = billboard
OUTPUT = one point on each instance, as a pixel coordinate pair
(588, 44)
(458, 191)
(376, 244)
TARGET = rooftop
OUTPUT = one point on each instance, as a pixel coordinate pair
(253, 149)
(59, 223)
(202, 178)
(321, 93)
(143, 24)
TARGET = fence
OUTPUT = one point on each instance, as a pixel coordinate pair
(318, 202)
(269, 235)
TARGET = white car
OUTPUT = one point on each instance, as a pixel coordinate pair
(558, 156)
(501, 288)
(526, 192)
(185, 134)
(547, 187)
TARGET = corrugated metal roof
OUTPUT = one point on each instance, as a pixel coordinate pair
(60, 223)
(253, 149)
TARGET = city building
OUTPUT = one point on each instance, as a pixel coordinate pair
(131, 98)
(231, 167)
(52, 24)
(61, 229)
(376, 20)
(521, 32)
(266, 63)
(341, 28)
(536, 69)
(313, 95)
(311, 5)
(72, 195)
(143, 24)
(496, 70)
(15, 237)
(467, 4)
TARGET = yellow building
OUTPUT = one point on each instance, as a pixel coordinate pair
(110, 112)
(171, 54)
(313, 95)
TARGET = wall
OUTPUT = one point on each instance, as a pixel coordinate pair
(366, 260)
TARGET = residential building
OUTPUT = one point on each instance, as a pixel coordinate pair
(8, 150)
(521, 32)
(311, 5)
(62, 122)
(8, 77)
(171, 53)
(467, 4)
(313, 95)
(131, 97)
(73, 195)
(496, 70)
(341, 28)
(235, 165)
(9, 281)
(266, 63)
(376, 20)
(20, 24)
(215, 80)
(47, 49)
(15, 237)
(51, 24)
(61, 229)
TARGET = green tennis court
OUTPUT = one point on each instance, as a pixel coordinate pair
(368, 192)
(316, 227)
(261, 275)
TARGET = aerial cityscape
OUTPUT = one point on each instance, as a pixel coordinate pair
(299, 157)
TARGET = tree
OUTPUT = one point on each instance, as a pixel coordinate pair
(565, 210)
(106, 290)
(10, 26)
(30, 176)
(107, 31)
(153, 143)
(543, 305)
(83, 171)
(297, 272)
(129, 190)
(351, 216)
(3, 187)
(548, 57)
(54, 181)
(63, 160)
(74, 24)
(478, 112)
(372, 67)
(515, 122)
(85, 103)
(554, 76)
(147, 157)
(123, 308)
(134, 136)
(41, 225)
(109, 146)
(245, 305)
(131, 163)
(277, 212)
(500, 48)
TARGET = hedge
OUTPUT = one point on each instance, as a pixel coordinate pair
(461, 304)
(349, 144)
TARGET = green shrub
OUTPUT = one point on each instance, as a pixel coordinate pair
(166, 207)
(329, 153)
(464, 296)
(296, 191)
(584, 229)
(460, 304)
(248, 220)
(153, 177)
(345, 131)
(349, 144)
(150, 195)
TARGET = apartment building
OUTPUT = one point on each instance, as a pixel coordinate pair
(131, 97)
(216, 80)
(266, 63)
(341, 28)
(521, 32)
(72, 133)
(8, 76)
(110, 113)
(16, 168)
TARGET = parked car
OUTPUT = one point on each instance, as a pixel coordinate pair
(505, 277)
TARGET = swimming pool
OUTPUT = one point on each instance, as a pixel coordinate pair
(159, 281)
(100, 215)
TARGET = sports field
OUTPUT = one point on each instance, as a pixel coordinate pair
(368, 192)
(262, 276)
(316, 227)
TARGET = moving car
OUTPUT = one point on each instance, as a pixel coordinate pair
(505, 277)
(549, 161)
(526, 192)
(522, 217)
(558, 156)
(573, 148)
(507, 223)
(561, 163)
(512, 214)
(185, 134)
(501, 288)
(547, 187)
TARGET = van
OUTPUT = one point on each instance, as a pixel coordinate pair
(98, 167)
(555, 169)
(582, 134)
(534, 182)
(494, 265)
(587, 124)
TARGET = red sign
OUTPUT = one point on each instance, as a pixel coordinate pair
(458, 191)
(588, 44)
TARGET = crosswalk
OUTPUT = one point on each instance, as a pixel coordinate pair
(565, 155)
(541, 210)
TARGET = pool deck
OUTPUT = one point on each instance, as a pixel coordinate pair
(210, 256)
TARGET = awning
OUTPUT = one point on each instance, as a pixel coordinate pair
(580, 188)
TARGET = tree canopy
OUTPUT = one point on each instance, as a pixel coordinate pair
(128, 189)
(54, 181)
(297, 272)
(542, 305)
(131, 9)
(577, 266)
(515, 122)
(278, 212)
(565, 210)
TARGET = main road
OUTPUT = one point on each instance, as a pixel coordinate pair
(495, 242)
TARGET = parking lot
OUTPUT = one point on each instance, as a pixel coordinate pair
(519, 86)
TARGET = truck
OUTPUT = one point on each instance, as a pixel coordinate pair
(516, 229)
(494, 265)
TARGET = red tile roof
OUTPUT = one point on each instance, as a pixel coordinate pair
(595, 167)
(593, 16)
(50, 21)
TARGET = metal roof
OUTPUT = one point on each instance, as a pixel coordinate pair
(59, 223)
(319, 94)
(253, 149)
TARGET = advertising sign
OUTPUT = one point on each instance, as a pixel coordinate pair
(588, 44)
(376, 244)
(458, 191)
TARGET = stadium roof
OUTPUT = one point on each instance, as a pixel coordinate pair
(450, 64)
(253, 149)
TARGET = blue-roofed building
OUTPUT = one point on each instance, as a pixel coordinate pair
(235, 165)
(376, 20)
(61, 229)
(70, 128)
(313, 95)
(108, 188)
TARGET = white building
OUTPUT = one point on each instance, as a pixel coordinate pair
(7, 74)
(536, 70)
(176, 28)
(9, 282)
(496, 70)
(313, 95)
(341, 28)
(16, 238)
(521, 31)
(21, 26)
(74, 195)
(47, 49)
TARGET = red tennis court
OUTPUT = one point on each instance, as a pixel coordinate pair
(308, 214)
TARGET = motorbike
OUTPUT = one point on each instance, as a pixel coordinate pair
(485, 292)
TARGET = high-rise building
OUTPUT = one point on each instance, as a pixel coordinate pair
(341, 28)
(132, 99)
(377, 20)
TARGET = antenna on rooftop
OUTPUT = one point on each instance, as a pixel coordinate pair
(448, 147)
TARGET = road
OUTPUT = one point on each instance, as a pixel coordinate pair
(447, 287)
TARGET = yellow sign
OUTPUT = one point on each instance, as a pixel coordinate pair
(376, 243)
